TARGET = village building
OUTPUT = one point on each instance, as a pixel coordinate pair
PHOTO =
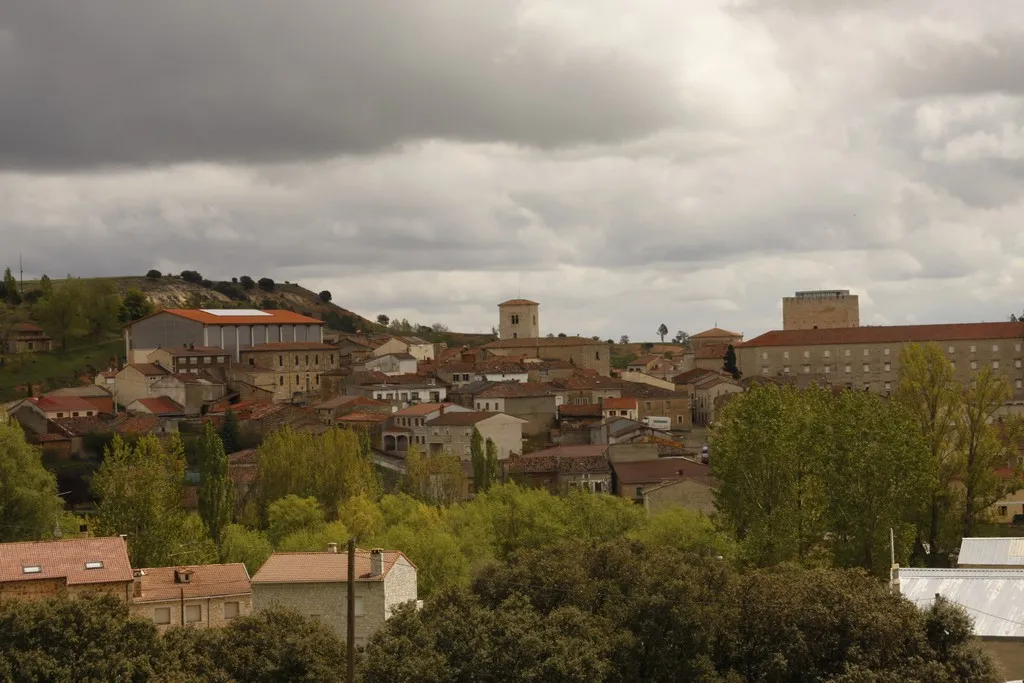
(200, 596)
(297, 367)
(36, 570)
(192, 359)
(452, 433)
(27, 338)
(564, 468)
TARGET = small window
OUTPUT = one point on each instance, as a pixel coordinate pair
(193, 361)
(785, 369)
(297, 380)
(307, 359)
(360, 607)
(973, 348)
(318, 379)
(828, 369)
(764, 355)
(1016, 347)
(764, 371)
(785, 354)
(316, 359)
(1019, 384)
(974, 365)
(60, 414)
(31, 569)
(280, 361)
(74, 414)
(995, 348)
(193, 613)
(995, 365)
(296, 360)
(230, 610)
(1016, 363)
(1002, 510)
(639, 491)
(597, 356)
(867, 386)
(94, 564)
(847, 369)
(207, 360)
(888, 366)
(949, 349)
(280, 380)
(888, 386)
(828, 353)
(886, 352)
(162, 615)
(846, 353)
(807, 354)
(807, 369)
(866, 352)
(867, 368)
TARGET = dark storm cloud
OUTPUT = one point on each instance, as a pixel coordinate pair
(113, 82)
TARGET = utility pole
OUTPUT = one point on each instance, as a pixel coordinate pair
(350, 608)
(21, 275)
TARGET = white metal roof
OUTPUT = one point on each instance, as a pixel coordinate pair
(994, 598)
(1007, 552)
(231, 312)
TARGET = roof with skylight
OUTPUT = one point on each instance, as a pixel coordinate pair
(234, 312)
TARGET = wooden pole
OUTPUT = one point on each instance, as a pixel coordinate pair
(350, 619)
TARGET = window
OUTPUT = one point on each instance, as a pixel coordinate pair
(515, 319)
(647, 404)
(807, 369)
(886, 352)
(280, 361)
(995, 365)
(828, 369)
(764, 371)
(764, 355)
(193, 613)
(207, 360)
(332, 359)
(639, 491)
(888, 386)
(31, 569)
(316, 359)
(866, 352)
(995, 348)
(94, 564)
(1016, 347)
(888, 366)
(307, 359)
(974, 365)
(280, 380)
(162, 615)
(60, 414)
(318, 379)
(867, 368)
(867, 386)
(230, 610)
(679, 418)
(193, 361)
(597, 356)
(785, 369)
(973, 348)
(1019, 384)
(360, 607)
(846, 353)
(847, 369)
(785, 354)
(949, 349)
(1016, 363)
(74, 414)
(1002, 510)
(487, 406)
(598, 487)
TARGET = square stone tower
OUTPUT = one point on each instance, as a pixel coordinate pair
(518, 319)
(820, 310)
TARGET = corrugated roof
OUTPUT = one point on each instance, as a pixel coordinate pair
(66, 558)
(994, 598)
(322, 567)
(50, 404)
(271, 317)
(992, 551)
(205, 581)
(888, 334)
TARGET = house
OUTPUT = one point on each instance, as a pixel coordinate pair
(297, 366)
(630, 478)
(618, 429)
(333, 408)
(28, 338)
(991, 553)
(624, 407)
(392, 364)
(869, 357)
(161, 406)
(707, 391)
(716, 336)
(371, 423)
(192, 359)
(535, 403)
(78, 566)
(644, 378)
(201, 596)
(993, 598)
(134, 381)
(105, 379)
(692, 494)
(710, 357)
(100, 397)
(316, 585)
(230, 329)
(196, 393)
(142, 423)
(452, 431)
(564, 468)
(580, 351)
(418, 348)
(655, 366)
(658, 402)
(408, 426)
(575, 421)
(35, 413)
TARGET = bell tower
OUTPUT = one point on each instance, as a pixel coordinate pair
(518, 319)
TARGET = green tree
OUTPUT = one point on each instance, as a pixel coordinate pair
(46, 285)
(134, 305)
(101, 307)
(11, 290)
(493, 467)
(383, 320)
(230, 433)
(28, 491)
(662, 331)
(362, 517)
(61, 312)
(325, 296)
(216, 491)
(292, 514)
(140, 488)
(729, 362)
(248, 546)
(478, 459)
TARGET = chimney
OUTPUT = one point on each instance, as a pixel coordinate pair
(376, 562)
(332, 548)
(137, 575)
(440, 411)
(124, 537)
(83, 530)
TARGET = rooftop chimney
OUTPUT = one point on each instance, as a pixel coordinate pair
(137, 575)
(332, 548)
(376, 562)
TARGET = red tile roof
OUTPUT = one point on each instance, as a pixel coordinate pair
(692, 375)
(619, 404)
(517, 390)
(519, 302)
(137, 424)
(714, 333)
(149, 369)
(579, 410)
(712, 351)
(542, 342)
(66, 558)
(290, 346)
(275, 317)
(206, 581)
(661, 469)
(62, 404)
(322, 567)
(421, 409)
(363, 417)
(161, 405)
(563, 460)
(888, 334)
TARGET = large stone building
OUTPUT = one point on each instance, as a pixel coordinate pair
(518, 319)
(297, 367)
(452, 432)
(37, 570)
(230, 329)
(868, 357)
(820, 310)
(581, 352)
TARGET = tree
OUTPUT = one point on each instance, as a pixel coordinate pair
(291, 514)
(247, 282)
(140, 488)
(153, 274)
(134, 305)
(383, 320)
(230, 433)
(28, 491)
(662, 331)
(624, 339)
(729, 362)
(192, 276)
(101, 307)
(216, 491)
(61, 312)
(45, 285)
(11, 291)
(248, 546)
(266, 284)
(682, 337)
(478, 459)
(325, 296)
(493, 468)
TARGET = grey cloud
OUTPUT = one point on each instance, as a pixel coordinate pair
(109, 82)
(994, 64)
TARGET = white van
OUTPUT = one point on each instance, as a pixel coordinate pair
(658, 422)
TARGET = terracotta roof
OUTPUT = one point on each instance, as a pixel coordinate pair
(580, 410)
(80, 426)
(715, 332)
(692, 375)
(149, 369)
(517, 390)
(519, 302)
(160, 405)
(137, 424)
(275, 317)
(66, 558)
(322, 567)
(399, 356)
(194, 350)
(363, 417)
(571, 451)
(243, 457)
(645, 361)
(712, 351)
(289, 346)
(86, 391)
(619, 404)
(206, 581)
(466, 419)
(542, 342)
(62, 404)
(647, 391)
(31, 328)
(421, 409)
(888, 334)
(662, 469)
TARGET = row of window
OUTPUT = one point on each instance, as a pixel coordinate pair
(435, 396)
(280, 380)
(827, 353)
(76, 414)
(193, 613)
(316, 360)
(887, 367)
(409, 421)
(207, 360)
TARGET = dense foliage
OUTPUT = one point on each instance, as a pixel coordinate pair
(28, 492)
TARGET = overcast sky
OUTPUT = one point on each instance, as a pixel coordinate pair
(624, 163)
